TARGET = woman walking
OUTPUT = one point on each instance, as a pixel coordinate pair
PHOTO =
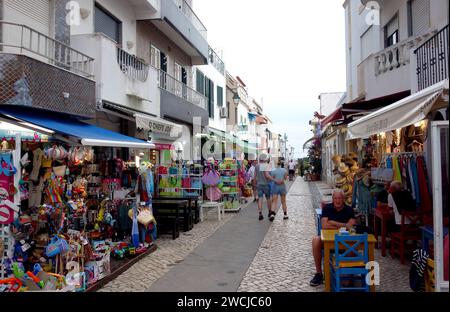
(279, 188)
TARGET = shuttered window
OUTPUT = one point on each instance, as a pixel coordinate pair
(107, 24)
(366, 43)
(33, 13)
(200, 78)
(219, 96)
(419, 17)
(155, 57)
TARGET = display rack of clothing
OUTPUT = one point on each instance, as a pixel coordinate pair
(410, 169)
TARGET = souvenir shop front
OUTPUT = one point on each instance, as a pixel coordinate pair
(75, 203)
(407, 141)
(164, 134)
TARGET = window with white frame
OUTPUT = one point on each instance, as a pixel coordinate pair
(155, 57)
(177, 71)
(391, 33)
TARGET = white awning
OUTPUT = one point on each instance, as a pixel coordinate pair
(405, 112)
(158, 125)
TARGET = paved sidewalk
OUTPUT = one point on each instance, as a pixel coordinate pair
(219, 263)
(284, 262)
(169, 253)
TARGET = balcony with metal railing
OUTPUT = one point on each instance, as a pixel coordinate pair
(192, 17)
(216, 61)
(122, 78)
(389, 70)
(178, 21)
(432, 60)
(42, 72)
(21, 39)
(181, 90)
(179, 101)
(132, 66)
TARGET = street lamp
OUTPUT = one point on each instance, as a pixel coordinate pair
(236, 98)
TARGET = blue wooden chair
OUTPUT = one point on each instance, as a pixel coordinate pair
(349, 262)
(318, 220)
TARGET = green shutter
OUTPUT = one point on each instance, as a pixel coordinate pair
(219, 96)
(200, 82)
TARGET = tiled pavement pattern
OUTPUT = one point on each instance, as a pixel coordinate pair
(170, 252)
(284, 262)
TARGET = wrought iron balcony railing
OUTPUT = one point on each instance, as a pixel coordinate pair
(432, 60)
(132, 66)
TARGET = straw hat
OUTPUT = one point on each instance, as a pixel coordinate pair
(354, 167)
(339, 179)
(348, 189)
(343, 168)
(353, 155)
(348, 201)
(336, 159)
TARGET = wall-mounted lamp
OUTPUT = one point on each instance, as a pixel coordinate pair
(236, 98)
(84, 13)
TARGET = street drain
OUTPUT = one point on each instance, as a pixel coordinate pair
(231, 272)
(222, 284)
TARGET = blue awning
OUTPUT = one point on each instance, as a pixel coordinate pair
(51, 122)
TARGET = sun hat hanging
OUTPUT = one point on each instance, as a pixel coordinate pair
(56, 152)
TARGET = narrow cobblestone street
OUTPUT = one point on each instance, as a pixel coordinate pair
(283, 262)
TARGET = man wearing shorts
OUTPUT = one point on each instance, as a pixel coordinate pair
(279, 188)
(291, 169)
(262, 176)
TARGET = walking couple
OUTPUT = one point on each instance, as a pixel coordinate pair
(270, 183)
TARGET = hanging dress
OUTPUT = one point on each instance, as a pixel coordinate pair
(425, 202)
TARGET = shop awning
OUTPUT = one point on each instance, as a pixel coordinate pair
(365, 107)
(158, 125)
(337, 114)
(310, 140)
(261, 120)
(246, 146)
(55, 123)
(405, 112)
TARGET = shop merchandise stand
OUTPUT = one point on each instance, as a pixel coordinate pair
(176, 187)
(8, 242)
(230, 189)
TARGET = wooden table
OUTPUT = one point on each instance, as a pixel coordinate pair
(170, 210)
(327, 237)
(384, 215)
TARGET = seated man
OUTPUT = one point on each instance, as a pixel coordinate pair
(334, 216)
(399, 200)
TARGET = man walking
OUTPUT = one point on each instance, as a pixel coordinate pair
(262, 175)
(279, 188)
(291, 170)
(251, 174)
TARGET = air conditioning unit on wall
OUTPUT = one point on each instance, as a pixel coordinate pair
(223, 112)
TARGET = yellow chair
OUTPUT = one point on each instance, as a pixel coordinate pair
(429, 276)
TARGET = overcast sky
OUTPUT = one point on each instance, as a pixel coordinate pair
(286, 51)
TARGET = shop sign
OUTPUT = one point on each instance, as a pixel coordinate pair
(159, 128)
(25, 135)
(160, 147)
